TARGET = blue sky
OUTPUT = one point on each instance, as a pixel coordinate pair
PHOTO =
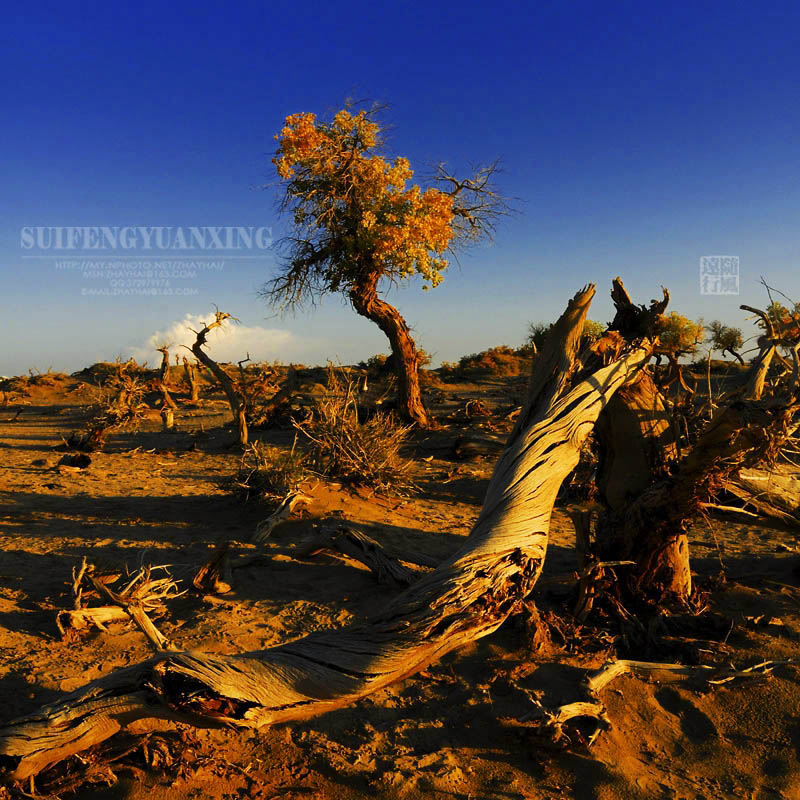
(637, 138)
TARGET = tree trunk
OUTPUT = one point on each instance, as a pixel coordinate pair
(466, 597)
(648, 504)
(164, 369)
(235, 399)
(734, 354)
(192, 379)
(636, 443)
(366, 302)
(649, 530)
(758, 374)
(240, 419)
(164, 379)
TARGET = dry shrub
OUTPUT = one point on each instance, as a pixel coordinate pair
(718, 366)
(382, 363)
(343, 447)
(376, 364)
(121, 400)
(48, 378)
(502, 361)
(14, 388)
(269, 396)
(268, 473)
(21, 384)
(118, 403)
(103, 371)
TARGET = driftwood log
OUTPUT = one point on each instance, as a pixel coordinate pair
(466, 597)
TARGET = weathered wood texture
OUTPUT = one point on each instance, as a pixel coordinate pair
(359, 547)
(772, 491)
(650, 493)
(466, 597)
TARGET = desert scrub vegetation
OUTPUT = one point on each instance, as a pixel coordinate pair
(501, 361)
(268, 473)
(538, 331)
(342, 446)
(118, 403)
(101, 372)
(49, 378)
(20, 384)
(377, 364)
(14, 389)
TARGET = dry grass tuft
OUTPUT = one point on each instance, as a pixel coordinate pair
(268, 473)
(354, 452)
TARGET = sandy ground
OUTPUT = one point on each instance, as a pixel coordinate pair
(149, 499)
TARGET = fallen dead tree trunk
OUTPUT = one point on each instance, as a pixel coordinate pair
(357, 546)
(774, 492)
(466, 597)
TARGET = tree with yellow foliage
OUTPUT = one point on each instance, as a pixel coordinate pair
(359, 225)
(679, 336)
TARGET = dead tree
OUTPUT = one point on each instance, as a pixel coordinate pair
(163, 378)
(772, 490)
(650, 493)
(466, 597)
(192, 379)
(263, 410)
(235, 398)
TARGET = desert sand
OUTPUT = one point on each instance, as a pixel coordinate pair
(162, 498)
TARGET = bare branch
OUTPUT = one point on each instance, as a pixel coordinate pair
(477, 205)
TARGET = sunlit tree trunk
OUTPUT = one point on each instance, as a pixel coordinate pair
(164, 378)
(193, 379)
(636, 444)
(235, 399)
(466, 597)
(366, 302)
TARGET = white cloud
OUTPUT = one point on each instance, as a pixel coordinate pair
(231, 342)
